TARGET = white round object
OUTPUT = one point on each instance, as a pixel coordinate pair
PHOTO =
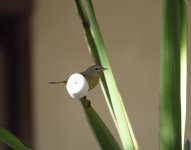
(77, 86)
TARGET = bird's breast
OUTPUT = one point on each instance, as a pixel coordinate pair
(93, 82)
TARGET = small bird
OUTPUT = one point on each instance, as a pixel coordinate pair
(92, 75)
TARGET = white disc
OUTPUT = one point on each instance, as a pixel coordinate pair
(77, 86)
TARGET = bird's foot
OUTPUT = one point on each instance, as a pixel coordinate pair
(85, 101)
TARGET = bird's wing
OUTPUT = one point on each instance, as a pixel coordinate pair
(83, 73)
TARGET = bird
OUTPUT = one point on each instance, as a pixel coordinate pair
(78, 84)
(92, 75)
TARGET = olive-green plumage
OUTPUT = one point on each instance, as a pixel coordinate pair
(92, 75)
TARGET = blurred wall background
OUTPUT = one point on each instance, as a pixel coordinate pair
(131, 31)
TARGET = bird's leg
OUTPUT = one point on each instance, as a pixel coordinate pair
(85, 101)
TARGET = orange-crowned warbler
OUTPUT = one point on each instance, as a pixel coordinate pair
(78, 84)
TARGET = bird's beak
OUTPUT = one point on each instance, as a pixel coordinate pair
(103, 69)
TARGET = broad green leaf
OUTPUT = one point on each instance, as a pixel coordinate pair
(112, 95)
(183, 63)
(90, 112)
(173, 75)
(8, 138)
(99, 129)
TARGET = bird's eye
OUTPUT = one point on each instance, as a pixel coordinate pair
(96, 68)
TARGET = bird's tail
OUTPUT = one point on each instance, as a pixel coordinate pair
(58, 82)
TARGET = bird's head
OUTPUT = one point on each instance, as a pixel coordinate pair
(95, 70)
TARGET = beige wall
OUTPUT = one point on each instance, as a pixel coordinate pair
(131, 30)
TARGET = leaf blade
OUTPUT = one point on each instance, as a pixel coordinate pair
(173, 75)
(11, 140)
(100, 130)
(112, 95)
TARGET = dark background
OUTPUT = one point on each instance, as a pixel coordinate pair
(15, 97)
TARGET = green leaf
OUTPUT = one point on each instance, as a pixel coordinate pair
(99, 129)
(109, 87)
(8, 138)
(183, 65)
(173, 75)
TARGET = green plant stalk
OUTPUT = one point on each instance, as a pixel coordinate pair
(99, 129)
(8, 138)
(92, 46)
(109, 87)
(173, 75)
(183, 55)
(109, 84)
